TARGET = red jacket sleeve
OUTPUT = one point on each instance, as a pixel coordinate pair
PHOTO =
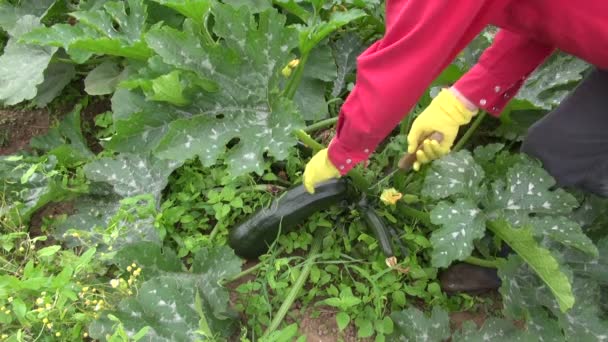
(502, 70)
(422, 38)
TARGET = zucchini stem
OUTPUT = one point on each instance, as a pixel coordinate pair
(467, 135)
(297, 286)
(320, 124)
(483, 262)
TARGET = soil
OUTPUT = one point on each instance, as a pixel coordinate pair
(17, 127)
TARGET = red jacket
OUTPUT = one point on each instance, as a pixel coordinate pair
(424, 36)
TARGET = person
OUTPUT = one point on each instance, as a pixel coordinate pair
(422, 37)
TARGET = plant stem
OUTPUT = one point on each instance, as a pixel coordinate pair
(320, 124)
(467, 135)
(414, 213)
(483, 262)
(309, 141)
(297, 286)
(243, 273)
(294, 81)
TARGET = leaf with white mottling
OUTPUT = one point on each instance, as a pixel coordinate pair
(539, 259)
(528, 189)
(41, 185)
(95, 214)
(139, 124)
(149, 257)
(495, 330)
(413, 325)
(173, 304)
(545, 87)
(564, 231)
(455, 174)
(346, 50)
(131, 174)
(22, 66)
(461, 223)
(114, 30)
(246, 65)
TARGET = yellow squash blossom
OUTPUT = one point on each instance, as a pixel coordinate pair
(390, 196)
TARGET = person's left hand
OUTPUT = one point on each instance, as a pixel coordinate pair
(318, 170)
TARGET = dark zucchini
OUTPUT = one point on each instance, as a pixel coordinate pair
(252, 237)
(377, 226)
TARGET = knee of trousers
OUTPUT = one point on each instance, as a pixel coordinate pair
(539, 143)
(555, 154)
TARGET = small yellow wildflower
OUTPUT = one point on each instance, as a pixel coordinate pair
(4, 336)
(114, 283)
(49, 325)
(130, 292)
(133, 265)
(95, 301)
(45, 320)
(40, 301)
(10, 299)
(390, 196)
(87, 302)
(76, 235)
(8, 312)
(39, 310)
(43, 293)
(85, 335)
(2, 308)
(129, 268)
(48, 306)
(58, 334)
(21, 249)
(85, 289)
(130, 281)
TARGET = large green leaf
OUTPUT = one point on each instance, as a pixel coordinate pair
(132, 174)
(245, 66)
(22, 66)
(10, 14)
(310, 95)
(139, 124)
(149, 257)
(66, 141)
(544, 264)
(28, 184)
(461, 223)
(175, 305)
(546, 87)
(456, 174)
(100, 220)
(312, 35)
(564, 231)
(528, 189)
(196, 10)
(413, 325)
(495, 330)
(113, 30)
(56, 77)
(524, 294)
(345, 50)
(103, 79)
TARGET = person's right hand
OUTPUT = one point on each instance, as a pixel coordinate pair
(444, 115)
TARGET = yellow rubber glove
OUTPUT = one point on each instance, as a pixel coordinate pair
(445, 115)
(318, 170)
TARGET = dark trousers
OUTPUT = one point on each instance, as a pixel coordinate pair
(572, 140)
